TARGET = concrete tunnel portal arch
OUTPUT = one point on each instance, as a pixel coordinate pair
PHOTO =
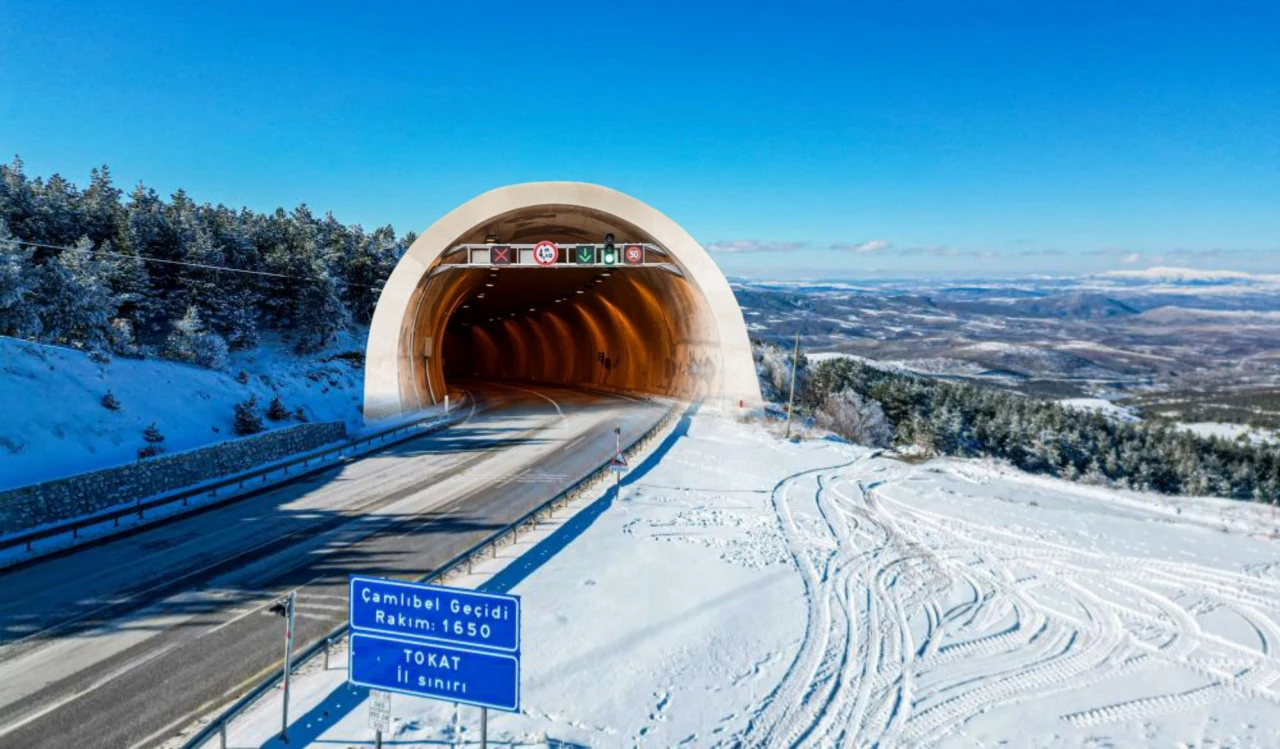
(671, 328)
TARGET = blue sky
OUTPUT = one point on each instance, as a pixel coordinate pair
(812, 140)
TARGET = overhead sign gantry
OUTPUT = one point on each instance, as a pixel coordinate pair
(547, 254)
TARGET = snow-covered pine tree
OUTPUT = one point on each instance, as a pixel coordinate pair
(276, 410)
(102, 211)
(857, 419)
(58, 217)
(154, 444)
(18, 279)
(202, 285)
(318, 311)
(247, 420)
(191, 342)
(75, 301)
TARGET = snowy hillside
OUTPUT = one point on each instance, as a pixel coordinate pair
(751, 592)
(54, 422)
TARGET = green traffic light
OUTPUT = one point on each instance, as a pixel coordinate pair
(609, 258)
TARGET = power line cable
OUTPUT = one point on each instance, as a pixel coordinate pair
(184, 263)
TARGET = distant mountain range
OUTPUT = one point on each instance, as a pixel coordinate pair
(1162, 274)
(1126, 331)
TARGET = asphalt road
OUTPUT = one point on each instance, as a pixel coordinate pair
(123, 643)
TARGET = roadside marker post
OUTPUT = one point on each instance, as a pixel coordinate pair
(619, 463)
(435, 641)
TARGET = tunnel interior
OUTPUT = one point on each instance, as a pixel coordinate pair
(631, 328)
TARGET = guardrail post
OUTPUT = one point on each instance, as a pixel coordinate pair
(326, 653)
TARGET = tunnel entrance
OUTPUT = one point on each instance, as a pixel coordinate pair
(458, 308)
(618, 327)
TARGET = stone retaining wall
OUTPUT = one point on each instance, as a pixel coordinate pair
(87, 493)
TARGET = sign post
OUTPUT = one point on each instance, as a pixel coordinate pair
(284, 607)
(619, 463)
(379, 714)
(435, 641)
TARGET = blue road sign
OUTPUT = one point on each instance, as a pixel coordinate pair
(435, 613)
(472, 677)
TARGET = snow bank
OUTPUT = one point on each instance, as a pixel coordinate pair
(53, 423)
(751, 592)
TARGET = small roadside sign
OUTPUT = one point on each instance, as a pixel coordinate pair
(546, 253)
(379, 710)
(619, 463)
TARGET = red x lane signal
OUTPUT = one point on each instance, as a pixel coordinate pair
(499, 256)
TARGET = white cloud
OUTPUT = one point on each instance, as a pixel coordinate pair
(871, 245)
(754, 245)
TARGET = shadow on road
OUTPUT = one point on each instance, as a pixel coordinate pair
(308, 728)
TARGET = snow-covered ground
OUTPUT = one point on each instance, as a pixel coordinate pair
(191, 406)
(1102, 405)
(1228, 431)
(751, 592)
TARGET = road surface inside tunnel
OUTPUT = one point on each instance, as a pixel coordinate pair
(125, 642)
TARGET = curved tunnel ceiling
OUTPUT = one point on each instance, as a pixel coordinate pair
(676, 331)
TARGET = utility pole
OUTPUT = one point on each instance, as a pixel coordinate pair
(284, 607)
(791, 399)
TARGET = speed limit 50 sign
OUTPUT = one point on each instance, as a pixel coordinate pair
(546, 253)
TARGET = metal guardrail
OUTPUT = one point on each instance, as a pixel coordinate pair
(218, 726)
(311, 462)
